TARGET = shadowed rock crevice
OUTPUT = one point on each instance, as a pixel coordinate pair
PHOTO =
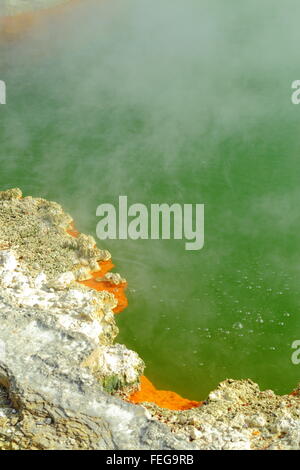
(5, 401)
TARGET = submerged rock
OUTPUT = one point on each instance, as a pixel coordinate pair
(61, 371)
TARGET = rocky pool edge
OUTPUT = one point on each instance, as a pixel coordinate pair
(58, 353)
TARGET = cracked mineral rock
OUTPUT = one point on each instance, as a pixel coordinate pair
(62, 375)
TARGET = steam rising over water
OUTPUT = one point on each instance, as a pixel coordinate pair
(185, 102)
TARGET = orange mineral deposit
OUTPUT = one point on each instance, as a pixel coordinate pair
(162, 398)
(147, 392)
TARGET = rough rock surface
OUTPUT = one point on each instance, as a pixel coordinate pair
(239, 416)
(58, 359)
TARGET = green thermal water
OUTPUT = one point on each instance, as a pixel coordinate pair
(185, 102)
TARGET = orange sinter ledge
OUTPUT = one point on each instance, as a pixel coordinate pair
(147, 392)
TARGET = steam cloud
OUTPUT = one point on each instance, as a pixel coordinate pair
(167, 101)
